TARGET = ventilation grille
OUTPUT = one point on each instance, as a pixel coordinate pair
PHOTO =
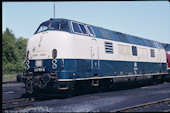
(108, 47)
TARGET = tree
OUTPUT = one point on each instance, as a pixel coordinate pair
(21, 44)
(13, 52)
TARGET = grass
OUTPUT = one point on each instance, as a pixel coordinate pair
(9, 77)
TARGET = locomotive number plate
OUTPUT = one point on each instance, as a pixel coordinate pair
(38, 63)
(39, 69)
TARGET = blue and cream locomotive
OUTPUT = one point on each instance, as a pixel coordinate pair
(63, 52)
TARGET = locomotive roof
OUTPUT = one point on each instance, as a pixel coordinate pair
(118, 36)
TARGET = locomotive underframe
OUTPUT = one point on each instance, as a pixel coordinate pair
(48, 82)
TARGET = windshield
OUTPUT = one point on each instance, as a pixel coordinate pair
(59, 25)
(53, 25)
(42, 27)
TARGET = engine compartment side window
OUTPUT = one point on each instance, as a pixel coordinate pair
(105, 34)
(134, 51)
(156, 44)
(122, 37)
(160, 45)
(149, 43)
(141, 41)
(76, 27)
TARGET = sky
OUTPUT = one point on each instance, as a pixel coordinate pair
(146, 19)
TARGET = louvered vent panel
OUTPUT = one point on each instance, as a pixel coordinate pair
(108, 47)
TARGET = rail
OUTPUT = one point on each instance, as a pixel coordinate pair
(142, 105)
(17, 104)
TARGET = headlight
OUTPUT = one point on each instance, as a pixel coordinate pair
(54, 53)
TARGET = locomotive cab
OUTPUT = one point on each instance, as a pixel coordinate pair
(46, 52)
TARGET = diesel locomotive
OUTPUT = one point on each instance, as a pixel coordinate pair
(63, 53)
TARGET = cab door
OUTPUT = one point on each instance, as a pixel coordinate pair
(95, 56)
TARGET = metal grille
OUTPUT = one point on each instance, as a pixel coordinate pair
(108, 47)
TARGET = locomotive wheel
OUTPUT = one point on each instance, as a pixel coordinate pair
(29, 87)
(19, 78)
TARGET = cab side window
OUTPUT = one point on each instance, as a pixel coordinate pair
(76, 27)
(90, 30)
(83, 29)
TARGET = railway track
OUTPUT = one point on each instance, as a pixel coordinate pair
(17, 104)
(134, 108)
